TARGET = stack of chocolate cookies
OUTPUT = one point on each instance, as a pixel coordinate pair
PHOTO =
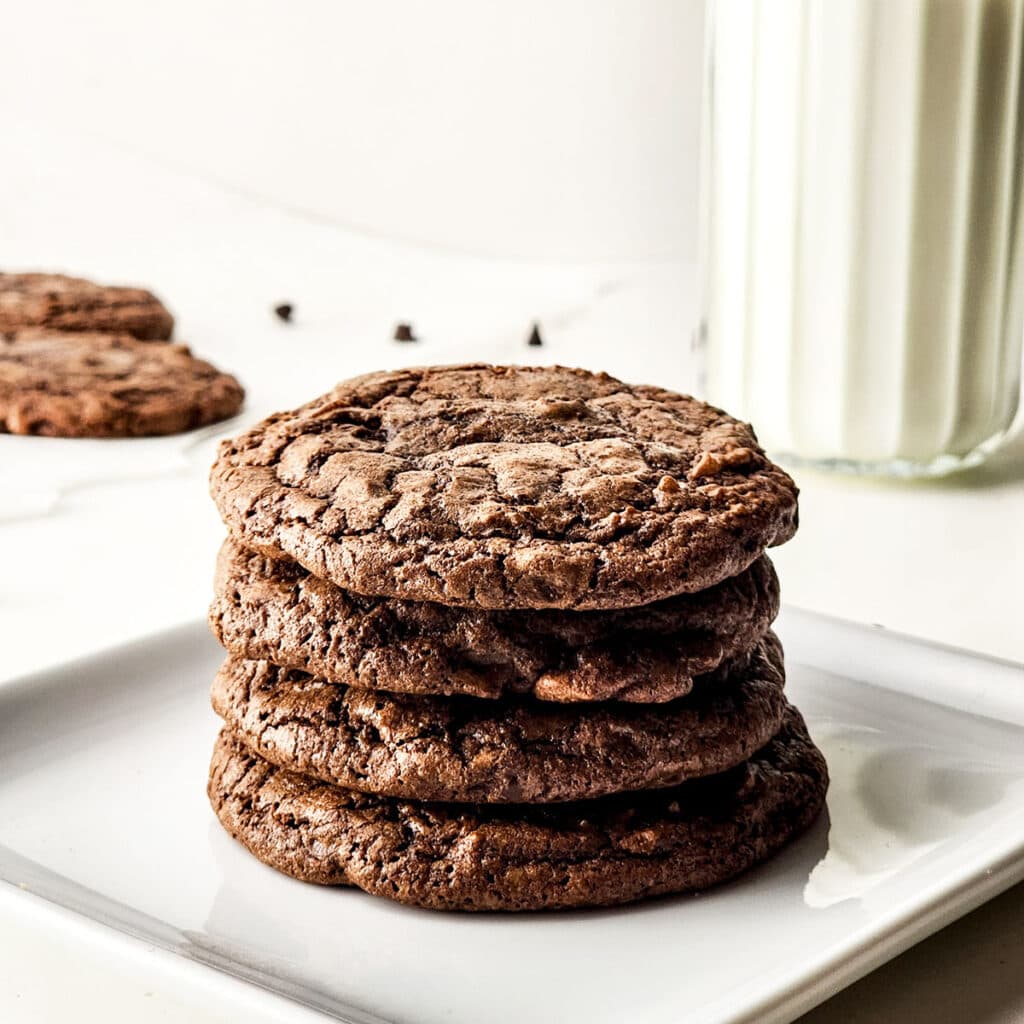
(80, 359)
(499, 638)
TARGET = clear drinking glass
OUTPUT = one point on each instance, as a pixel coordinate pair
(862, 270)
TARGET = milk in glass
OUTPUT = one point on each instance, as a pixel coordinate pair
(861, 242)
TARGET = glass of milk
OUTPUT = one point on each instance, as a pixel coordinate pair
(862, 264)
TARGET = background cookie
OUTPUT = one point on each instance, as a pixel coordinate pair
(275, 610)
(506, 487)
(74, 304)
(97, 385)
(453, 857)
(518, 751)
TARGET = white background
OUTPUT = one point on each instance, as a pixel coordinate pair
(541, 128)
(468, 166)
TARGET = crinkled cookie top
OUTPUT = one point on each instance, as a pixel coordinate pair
(506, 487)
(64, 303)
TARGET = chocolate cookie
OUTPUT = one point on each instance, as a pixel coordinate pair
(506, 487)
(463, 749)
(594, 853)
(73, 304)
(103, 385)
(275, 610)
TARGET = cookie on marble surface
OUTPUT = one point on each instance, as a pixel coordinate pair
(62, 384)
(64, 303)
(466, 750)
(275, 610)
(506, 487)
(476, 857)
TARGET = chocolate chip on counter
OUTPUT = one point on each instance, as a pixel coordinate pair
(283, 311)
(404, 332)
(535, 339)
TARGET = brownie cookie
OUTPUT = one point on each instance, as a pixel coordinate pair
(102, 385)
(275, 610)
(464, 749)
(595, 853)
(506, 487)
(73, 304)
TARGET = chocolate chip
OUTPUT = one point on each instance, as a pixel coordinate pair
(284, 311)
(535, 339)
(404, 332)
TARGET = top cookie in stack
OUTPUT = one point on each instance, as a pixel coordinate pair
(454, 588)
(506, 487)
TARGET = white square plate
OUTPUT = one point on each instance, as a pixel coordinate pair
(103, 811)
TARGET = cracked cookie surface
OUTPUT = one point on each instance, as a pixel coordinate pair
(276, 611)
(61, 384)
(464, 749)
(506, 487)
(66, 303)
(475, 857)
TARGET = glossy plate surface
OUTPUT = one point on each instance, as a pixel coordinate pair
(103, 811)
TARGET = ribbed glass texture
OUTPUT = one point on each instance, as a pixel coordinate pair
(862, 264)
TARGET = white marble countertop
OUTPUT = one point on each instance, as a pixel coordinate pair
(104, 541)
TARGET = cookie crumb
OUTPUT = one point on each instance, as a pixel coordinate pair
(283, 311)
(733, 458)
(404, 332)
(668, 486)
(535, 339)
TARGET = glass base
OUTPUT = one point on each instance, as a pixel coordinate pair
(903, 469)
